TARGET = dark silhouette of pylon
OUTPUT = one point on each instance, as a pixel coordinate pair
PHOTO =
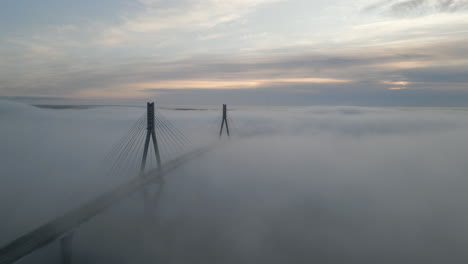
(150, 135)
(66, 248)
(224, 121)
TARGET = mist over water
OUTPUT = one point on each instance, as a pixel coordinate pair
(293, 185)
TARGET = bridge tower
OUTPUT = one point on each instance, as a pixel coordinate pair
(151, 135)
(66, 248)
(224, 121)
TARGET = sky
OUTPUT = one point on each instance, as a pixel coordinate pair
(252, 52)
(319, 184)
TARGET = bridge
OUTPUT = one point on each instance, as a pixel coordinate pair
(165, 138)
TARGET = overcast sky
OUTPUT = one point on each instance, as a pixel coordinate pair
(276, 52)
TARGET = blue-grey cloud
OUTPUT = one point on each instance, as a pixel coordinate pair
(362, 94)
(425, 66)
(417, 7)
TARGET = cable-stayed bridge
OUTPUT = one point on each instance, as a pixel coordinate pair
(152, 148)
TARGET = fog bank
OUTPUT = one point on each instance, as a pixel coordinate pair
(296, 185)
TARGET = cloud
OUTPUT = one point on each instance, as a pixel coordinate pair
(225, 45)
(312, 184)
(417, 7)
(406, 6)
(377, 5)
(347, 77)
(182, 16)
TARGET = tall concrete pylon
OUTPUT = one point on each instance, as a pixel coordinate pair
(66, 248)
(224, 122)
(150, 134)
(150, 203)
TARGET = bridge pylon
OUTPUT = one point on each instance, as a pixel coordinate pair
(66, 248)
(150, 136)
(224, 121)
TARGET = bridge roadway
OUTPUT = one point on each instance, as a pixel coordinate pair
(65, 224)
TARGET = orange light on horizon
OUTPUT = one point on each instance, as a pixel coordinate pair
(401, 83)
(228, 84)
(134, 90)
(396, 88)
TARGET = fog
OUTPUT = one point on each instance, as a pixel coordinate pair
(292, 185)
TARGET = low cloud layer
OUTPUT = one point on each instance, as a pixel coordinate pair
(301, 185)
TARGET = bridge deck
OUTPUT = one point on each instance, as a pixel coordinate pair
(60, 226)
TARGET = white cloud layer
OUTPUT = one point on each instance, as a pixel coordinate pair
(314, 184)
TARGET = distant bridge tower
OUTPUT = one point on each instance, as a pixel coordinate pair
(223, 122)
